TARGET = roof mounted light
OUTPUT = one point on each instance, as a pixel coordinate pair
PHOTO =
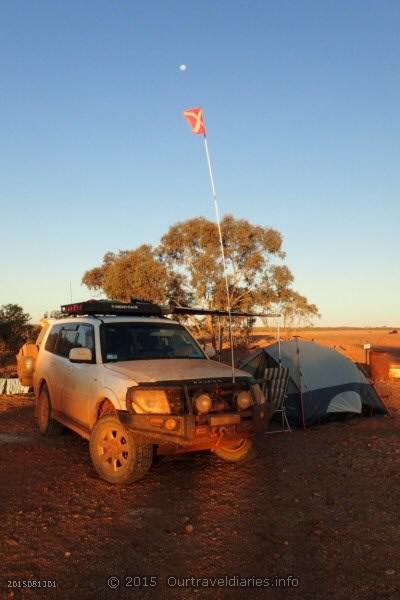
(110, 307)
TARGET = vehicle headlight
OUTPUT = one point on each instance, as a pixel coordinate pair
(150, 401)
(244, 400)
(203, 403)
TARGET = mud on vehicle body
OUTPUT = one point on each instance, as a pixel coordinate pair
(137, 384)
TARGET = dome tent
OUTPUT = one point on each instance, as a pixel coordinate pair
(322, 382)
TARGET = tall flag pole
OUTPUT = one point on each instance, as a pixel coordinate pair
(195, 117)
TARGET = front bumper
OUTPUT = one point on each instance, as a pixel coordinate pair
(198, 430)
(188, 431)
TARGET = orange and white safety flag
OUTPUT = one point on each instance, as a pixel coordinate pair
(195, 119)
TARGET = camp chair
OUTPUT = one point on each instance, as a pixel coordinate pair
(275, 386)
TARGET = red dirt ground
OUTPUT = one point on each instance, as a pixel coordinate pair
(321, 505)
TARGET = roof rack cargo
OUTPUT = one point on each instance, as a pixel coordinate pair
(111, 307)
(144, 308)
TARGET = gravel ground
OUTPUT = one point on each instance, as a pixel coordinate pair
(321, 506)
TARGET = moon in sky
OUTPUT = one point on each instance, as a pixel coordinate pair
(182, 67)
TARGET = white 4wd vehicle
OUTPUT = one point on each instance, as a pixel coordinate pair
(136, 385)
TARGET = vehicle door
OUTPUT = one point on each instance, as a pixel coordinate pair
(59, 362)
(79, 387)
(50, 368)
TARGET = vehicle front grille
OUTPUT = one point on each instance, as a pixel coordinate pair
(181, 395)
(176, 399)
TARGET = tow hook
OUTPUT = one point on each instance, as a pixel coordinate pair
(219, 435)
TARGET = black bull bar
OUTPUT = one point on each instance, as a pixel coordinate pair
(185, 427)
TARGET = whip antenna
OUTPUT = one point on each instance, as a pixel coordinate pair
(196, 120)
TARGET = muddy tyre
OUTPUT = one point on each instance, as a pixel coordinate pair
(237, 450)
(46, 424)
(117, 455)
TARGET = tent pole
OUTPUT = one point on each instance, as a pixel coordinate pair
(279, 343)
(300, 381)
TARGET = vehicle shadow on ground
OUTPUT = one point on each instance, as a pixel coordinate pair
(14, 414)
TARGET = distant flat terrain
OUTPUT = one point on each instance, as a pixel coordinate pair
(347, 341)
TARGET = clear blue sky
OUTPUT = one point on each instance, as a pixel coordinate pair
(302, 106)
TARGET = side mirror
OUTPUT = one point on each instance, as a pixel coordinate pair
(210, 351)
(80, 355)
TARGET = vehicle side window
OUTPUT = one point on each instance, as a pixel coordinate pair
(85, 338)
(66, 340)
(52, 338)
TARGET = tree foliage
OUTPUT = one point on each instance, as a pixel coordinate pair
(296, 310)
(130, 274)
(193, 249)
(14, 329)
(187, 268)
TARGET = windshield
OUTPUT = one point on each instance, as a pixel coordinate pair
(144, 341)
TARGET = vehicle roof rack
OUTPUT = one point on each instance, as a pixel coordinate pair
(110, 307)
(144, 308)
